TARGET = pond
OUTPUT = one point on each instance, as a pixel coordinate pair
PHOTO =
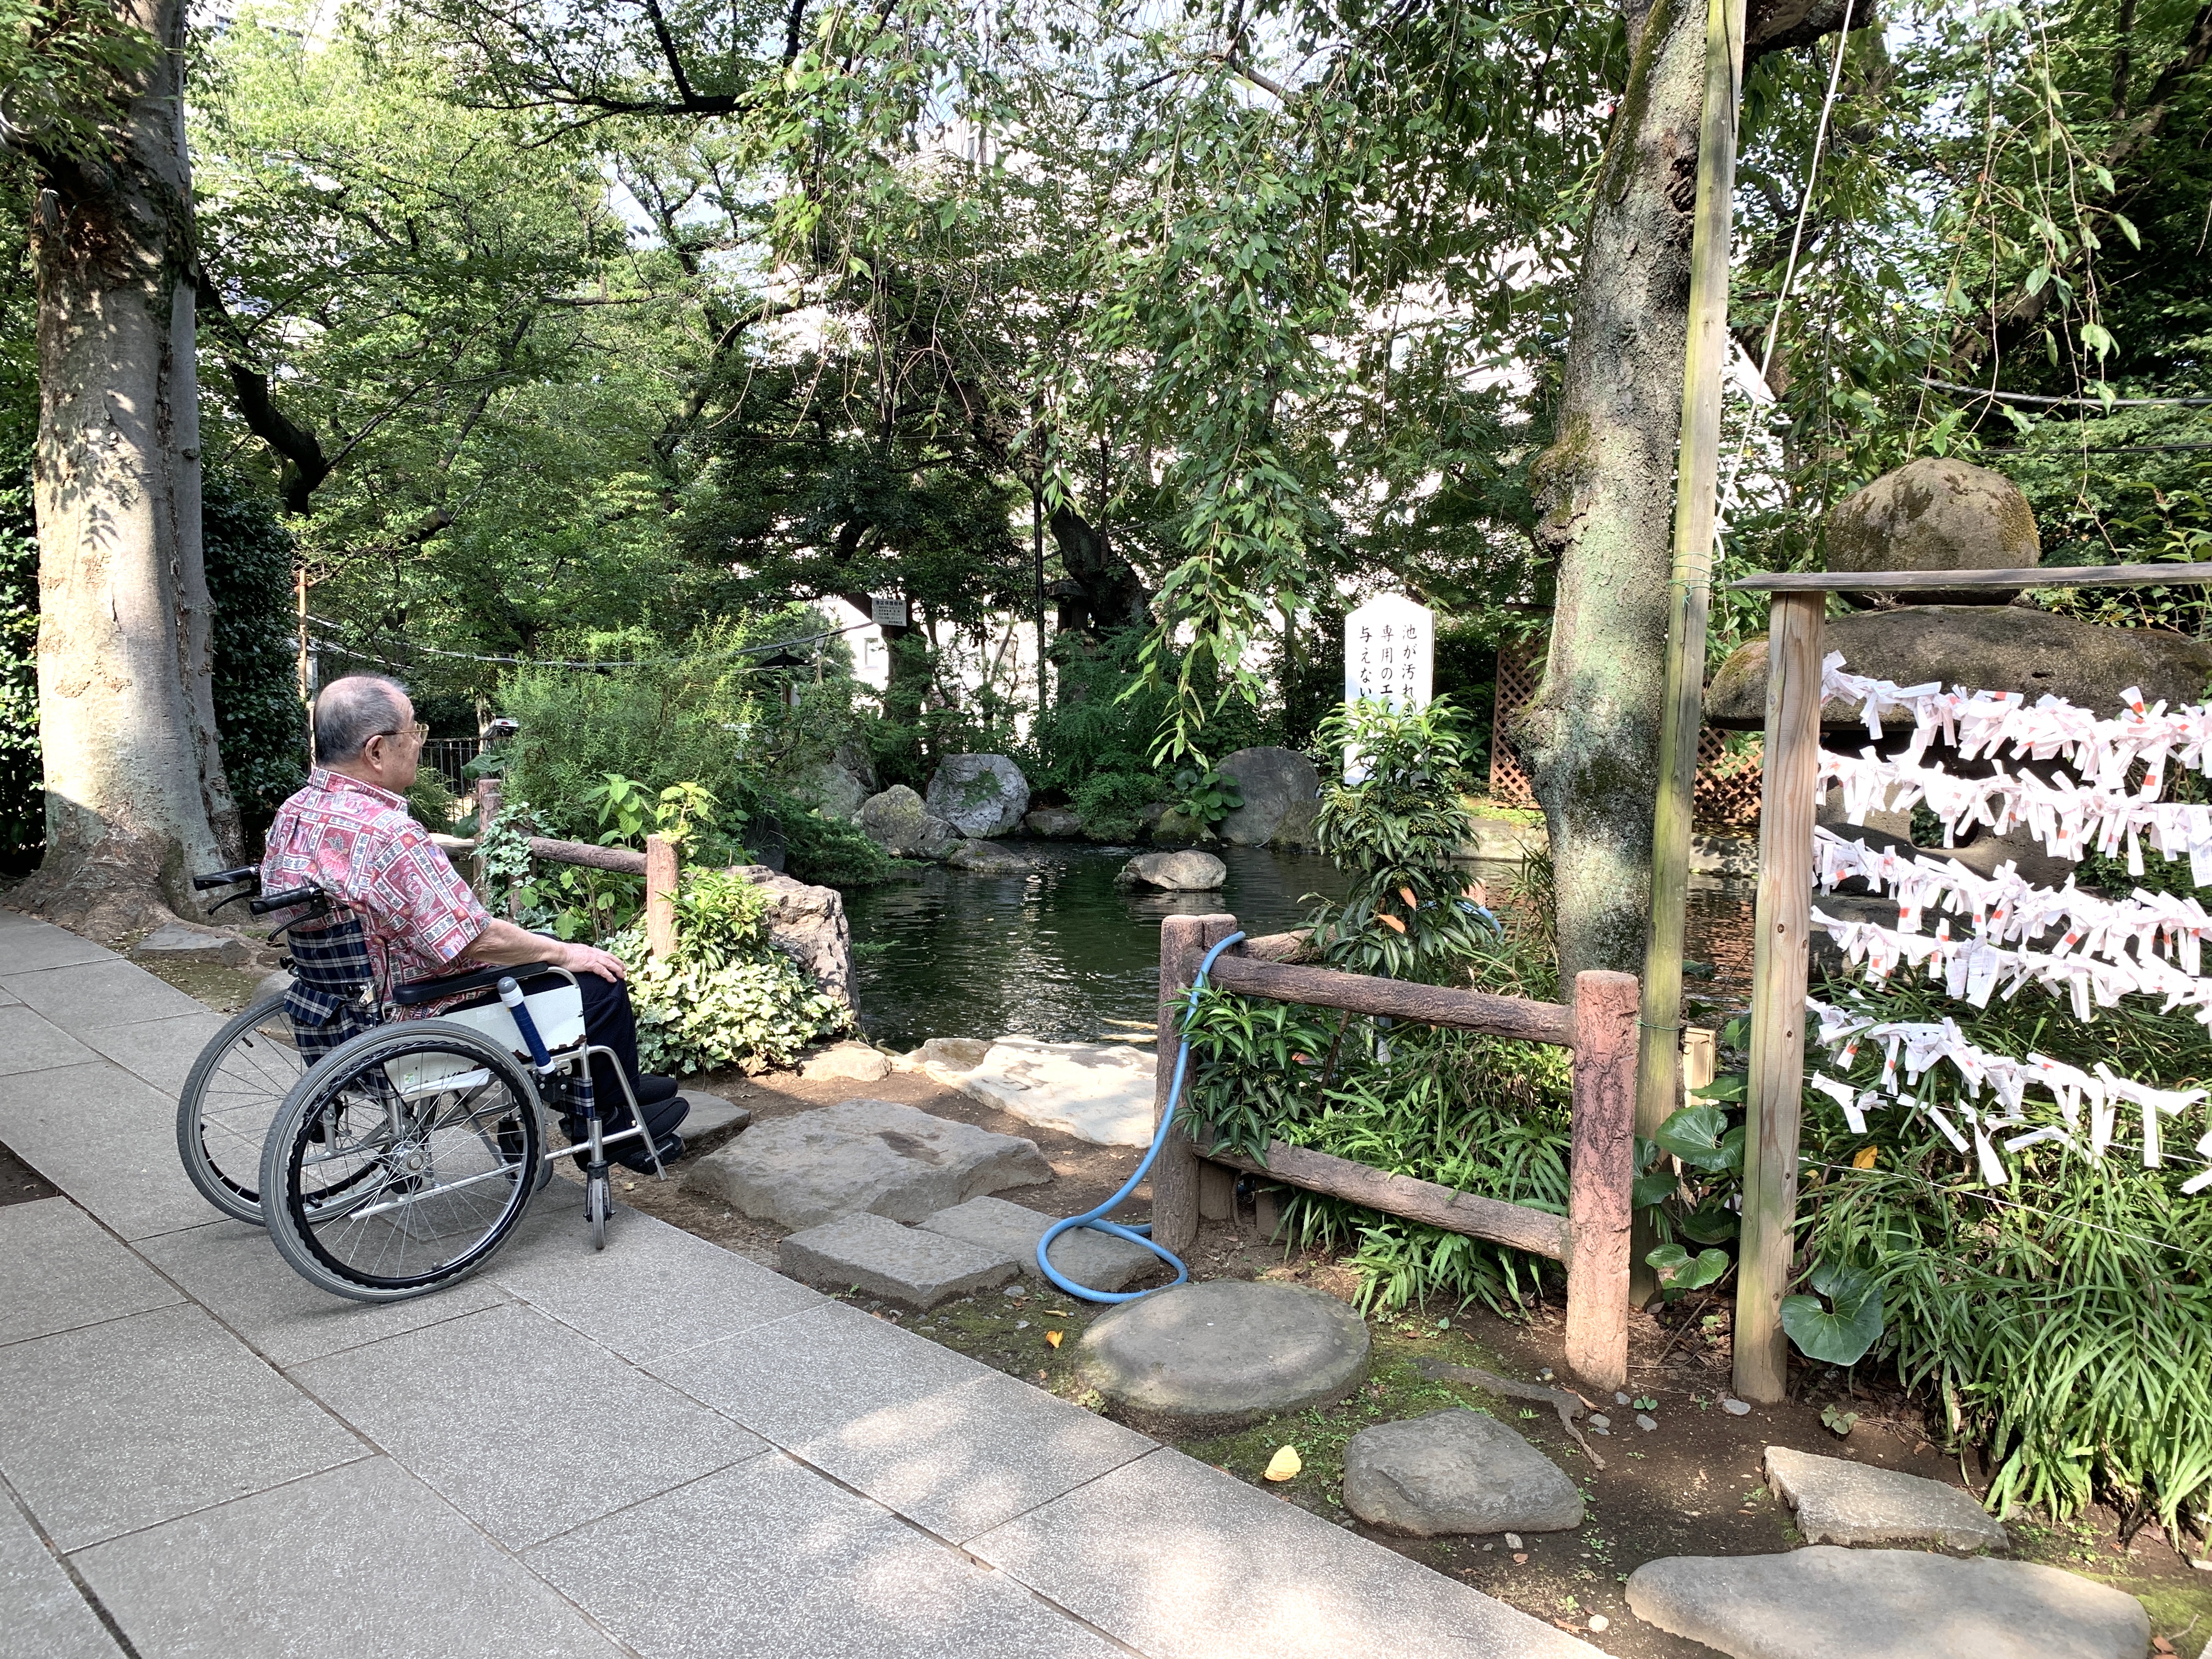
(1062, 954)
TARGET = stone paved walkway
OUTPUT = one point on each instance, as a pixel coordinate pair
(664, 1450)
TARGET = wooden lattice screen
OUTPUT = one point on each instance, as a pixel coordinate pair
(1727, 786)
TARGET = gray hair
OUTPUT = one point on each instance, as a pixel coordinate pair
(351, 711)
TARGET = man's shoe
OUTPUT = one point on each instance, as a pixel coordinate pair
(671, 1149)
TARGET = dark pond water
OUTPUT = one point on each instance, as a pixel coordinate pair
(1059, 954)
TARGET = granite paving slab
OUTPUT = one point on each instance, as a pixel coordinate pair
(30, 946)
(232, 1270)
(364, 1562)
(1183, 1562)
(805, 1375)
(524, 1426)
(106, 1140)
(1827, 1602)
(964, 1460)
(1840, 1502)
(1101, 1093)
(67, 1272)
(768, 1560)
(9, 998)
(159, 1052)
(43, 1615)
(29, 1042)
(127, 1424)
(654, 1291)
(90, 994)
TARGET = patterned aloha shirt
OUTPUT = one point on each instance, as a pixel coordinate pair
(357, 842)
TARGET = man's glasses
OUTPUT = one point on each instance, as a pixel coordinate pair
(420, 732)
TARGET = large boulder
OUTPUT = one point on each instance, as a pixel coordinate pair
(874, 1154)
(1983, 648)
(808, 925)
(1455, 1471)
(1281, 792)
(1935, 514)
(898, 822)
(981, 858)
(842, 785)
(1053, 823)
(979, 795)
(1176, 828)
(1185, 871)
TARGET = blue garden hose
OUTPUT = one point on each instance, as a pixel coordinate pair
(1095, 1220)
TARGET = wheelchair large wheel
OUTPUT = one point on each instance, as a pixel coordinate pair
(235, 1090)
(402, 1161)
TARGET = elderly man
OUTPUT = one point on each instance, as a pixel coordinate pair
(348, 833)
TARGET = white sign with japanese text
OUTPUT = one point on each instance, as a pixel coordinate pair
(1389, 653)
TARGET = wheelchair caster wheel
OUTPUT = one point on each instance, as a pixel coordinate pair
(599, 1198)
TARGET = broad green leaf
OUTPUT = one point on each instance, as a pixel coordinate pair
(1838, 1335)
(1697, 1135)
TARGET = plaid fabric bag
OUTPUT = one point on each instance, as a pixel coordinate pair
(331, 1001)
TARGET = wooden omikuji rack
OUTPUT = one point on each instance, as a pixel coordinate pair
(1591, 1238)
(1784, 920)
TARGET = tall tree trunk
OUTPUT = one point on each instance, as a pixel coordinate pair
(1590, 736)
(136, 797)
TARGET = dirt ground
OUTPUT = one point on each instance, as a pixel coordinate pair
(1693, 1486)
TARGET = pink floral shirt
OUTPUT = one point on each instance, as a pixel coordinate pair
(357, 842)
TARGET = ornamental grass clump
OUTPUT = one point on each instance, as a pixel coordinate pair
(725, 996)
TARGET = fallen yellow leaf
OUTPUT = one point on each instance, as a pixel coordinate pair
(1053, 1337)
(1285, 1464)
(1865, 1158)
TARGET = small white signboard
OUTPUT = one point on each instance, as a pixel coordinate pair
(1390, 653)
(887, 610)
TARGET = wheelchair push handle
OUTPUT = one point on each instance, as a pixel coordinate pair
(510, 996)
(227, 878)
(286, 900)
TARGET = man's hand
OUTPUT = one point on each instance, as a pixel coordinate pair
(590, 959)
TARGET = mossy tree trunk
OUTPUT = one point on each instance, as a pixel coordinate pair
(136, 795)
(1590, 736)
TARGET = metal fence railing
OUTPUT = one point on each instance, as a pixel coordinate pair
(448, 755)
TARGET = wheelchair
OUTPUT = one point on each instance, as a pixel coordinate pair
(389, 1157)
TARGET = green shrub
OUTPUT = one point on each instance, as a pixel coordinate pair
(727, 996)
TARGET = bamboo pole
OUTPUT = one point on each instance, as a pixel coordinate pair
(1659, 1060)
(1778, 992)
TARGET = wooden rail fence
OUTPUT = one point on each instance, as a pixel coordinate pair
(1592, 1239)
(657, 864)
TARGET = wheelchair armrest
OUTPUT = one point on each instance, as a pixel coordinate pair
(476, 979)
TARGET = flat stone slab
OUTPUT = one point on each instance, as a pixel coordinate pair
(1455, 1471)
(1207, 1358)
(1823, 1602)
(871, 1156)
(1098, 1261)
(909, 1266)
(1101, 1093)
(709, 1112)
(855, 1062)
(180, 940)
(1840, 1502)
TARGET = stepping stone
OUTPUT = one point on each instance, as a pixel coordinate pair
(905, 1265)
(1823, 1602)
(951, 1056)
(863, 1155)
(1208, 1359)
(180, 941)
(1840, 1502)
(1101, 1093)
(1452, 1472)
(854, 1062)
(1098, 1261)
(710, 1112)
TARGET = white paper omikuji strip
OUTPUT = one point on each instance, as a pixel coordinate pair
(1924, 1045)
(2069, 818)
(1982, 722)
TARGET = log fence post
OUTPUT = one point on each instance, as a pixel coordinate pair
(1777, 1080)
(1602, 1178)
(660, 879)
(1184, 941)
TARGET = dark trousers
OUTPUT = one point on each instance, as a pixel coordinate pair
(608, 1021)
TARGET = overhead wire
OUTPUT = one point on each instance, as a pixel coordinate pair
(561, 662)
